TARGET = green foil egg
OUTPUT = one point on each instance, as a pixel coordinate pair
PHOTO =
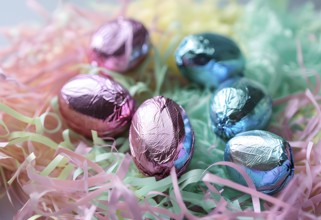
(239, 105)
(209, 59)
(267, 158)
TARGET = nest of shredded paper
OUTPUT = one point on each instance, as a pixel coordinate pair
(52, 172)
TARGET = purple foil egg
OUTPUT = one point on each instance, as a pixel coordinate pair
(161, 137)
(93, 102)
(120, 45)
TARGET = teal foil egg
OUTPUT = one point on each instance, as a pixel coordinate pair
(209, 59)
(266, 158)
(239, 105)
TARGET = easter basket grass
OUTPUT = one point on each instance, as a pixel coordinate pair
(52, 172)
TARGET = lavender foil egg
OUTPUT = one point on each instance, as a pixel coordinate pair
(161, 137)
(120, 45)
(239, 105)
(93, 102)
(266, 158)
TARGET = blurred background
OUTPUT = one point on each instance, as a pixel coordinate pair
(17, 12)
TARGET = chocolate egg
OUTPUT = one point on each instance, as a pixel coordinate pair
(120, 45)
(266, 158)
(209, 59)
(239, 105)
(161, 137)
(93, 102)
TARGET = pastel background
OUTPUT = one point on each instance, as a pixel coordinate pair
(15, 12)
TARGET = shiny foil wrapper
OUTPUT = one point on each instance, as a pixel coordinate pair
(266, 158)
(161, 137)
(239, 105)
(93, 102)
(209, 59)
(120, 45)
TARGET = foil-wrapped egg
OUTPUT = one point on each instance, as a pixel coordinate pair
(239, 105)
(120, 45)
(161, 137)
(93, 102)
(209, 59)
(266, 158)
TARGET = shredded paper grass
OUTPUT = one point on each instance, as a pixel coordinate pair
(50, 171)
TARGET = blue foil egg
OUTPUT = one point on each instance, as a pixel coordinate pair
(239, 105)
(161, 137)
(209, 59)
(266, 158)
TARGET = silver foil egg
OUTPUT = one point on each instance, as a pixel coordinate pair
(209, 59)
(266, 158)
(161, 137)
(239, 105)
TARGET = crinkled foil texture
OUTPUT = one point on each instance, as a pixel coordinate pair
(239, 105)
(209, 59)
(266, 157)
(93, 102)
(120, 44)
(158, 137)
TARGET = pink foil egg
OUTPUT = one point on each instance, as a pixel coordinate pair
(161, 137)
(93, 102)
(120, 45)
